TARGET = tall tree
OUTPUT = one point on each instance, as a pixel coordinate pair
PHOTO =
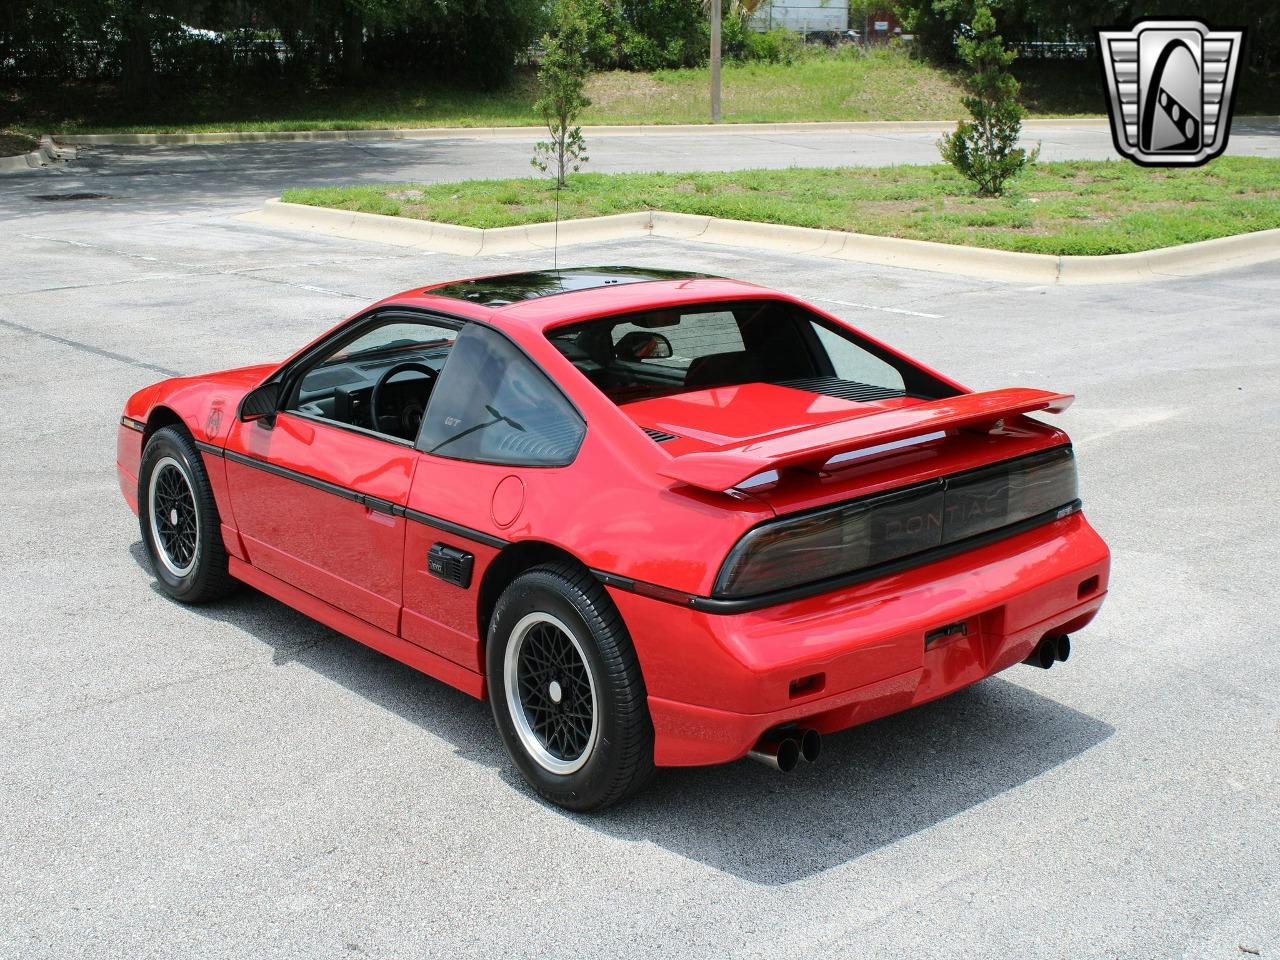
(138, 24)
(352, 42)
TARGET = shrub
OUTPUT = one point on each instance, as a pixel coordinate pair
(775, 46)
(471, 42)
(662, 34)
(563, 77)
(984, 149)
(600, 29)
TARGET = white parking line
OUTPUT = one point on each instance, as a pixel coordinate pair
(872, 306)
(91, 246)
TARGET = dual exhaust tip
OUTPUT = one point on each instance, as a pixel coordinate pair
(784, 749)
(1050, 650)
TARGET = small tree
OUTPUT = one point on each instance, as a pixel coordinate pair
(985, 149)
(563, 78)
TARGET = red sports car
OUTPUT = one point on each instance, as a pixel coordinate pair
(658, 518)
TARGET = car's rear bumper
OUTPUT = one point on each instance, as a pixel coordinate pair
(716, 683)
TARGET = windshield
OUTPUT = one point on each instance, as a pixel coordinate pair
(673, 350)
(394, 338)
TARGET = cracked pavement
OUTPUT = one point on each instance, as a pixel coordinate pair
(236, 780)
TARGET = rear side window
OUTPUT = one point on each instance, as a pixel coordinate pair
(851, 363)
(695, 334)
(636, 357)
(493, 405)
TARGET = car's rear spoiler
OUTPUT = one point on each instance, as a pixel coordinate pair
(726, 468)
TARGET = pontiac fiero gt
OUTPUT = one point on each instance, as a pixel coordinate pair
(657, 518)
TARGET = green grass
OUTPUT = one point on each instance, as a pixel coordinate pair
(843, 85)
(15, 144)
(1094, 207)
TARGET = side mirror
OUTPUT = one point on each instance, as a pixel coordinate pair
(261, 403)
(643, 345)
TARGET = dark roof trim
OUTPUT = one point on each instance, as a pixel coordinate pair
(509, 288)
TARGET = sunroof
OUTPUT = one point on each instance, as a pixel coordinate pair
(512, 287)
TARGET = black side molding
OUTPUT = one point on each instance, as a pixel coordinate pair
(355, 496)
(653, 590)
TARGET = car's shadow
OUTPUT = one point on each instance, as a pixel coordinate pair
(872, 786)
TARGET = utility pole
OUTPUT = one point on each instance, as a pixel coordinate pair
(715, 61)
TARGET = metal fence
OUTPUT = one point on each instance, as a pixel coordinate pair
(1055, 49)
(172, 56)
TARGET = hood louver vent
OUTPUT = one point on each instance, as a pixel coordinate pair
(841, 389)
(657, 436)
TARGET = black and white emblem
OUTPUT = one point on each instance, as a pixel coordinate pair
(1169, 89)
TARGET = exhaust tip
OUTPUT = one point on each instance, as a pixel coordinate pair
(788, 755)
(1044, 655)
(810, 745)
(1062, 649)
(783, 755)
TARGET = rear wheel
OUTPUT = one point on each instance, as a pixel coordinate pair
(179, 519)
(566, 689)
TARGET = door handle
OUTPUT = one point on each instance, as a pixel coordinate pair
(377, 505)
(379, 511)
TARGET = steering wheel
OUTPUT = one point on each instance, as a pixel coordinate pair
(375, 417)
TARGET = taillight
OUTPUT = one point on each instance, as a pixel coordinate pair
(1008, 493)
(864, 534)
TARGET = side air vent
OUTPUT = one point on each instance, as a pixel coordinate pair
(450, 564)
(658, 436)
(842, 389)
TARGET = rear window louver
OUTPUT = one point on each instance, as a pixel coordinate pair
(842, 389)
(658, 436)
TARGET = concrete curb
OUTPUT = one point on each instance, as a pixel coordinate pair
(23, 161)
(52, 151)
(1037, 269)
(46, 153)
(525, 133)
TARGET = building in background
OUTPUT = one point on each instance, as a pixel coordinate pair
(828, 21)
(881, 26)
(802, 16)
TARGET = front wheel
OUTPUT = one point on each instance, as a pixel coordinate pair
(566, 689)
(179, 519)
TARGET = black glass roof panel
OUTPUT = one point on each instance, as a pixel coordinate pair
(512, 287)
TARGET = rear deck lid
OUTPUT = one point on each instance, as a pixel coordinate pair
(724, 417)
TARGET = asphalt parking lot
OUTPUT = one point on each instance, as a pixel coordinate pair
(238, 781)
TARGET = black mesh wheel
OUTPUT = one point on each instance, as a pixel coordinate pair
(566, 689)
(179, 519)
(171, 513)
(551, 693)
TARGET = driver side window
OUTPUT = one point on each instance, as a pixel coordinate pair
(377, 381)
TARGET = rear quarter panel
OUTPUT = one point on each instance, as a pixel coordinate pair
(601, 509)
